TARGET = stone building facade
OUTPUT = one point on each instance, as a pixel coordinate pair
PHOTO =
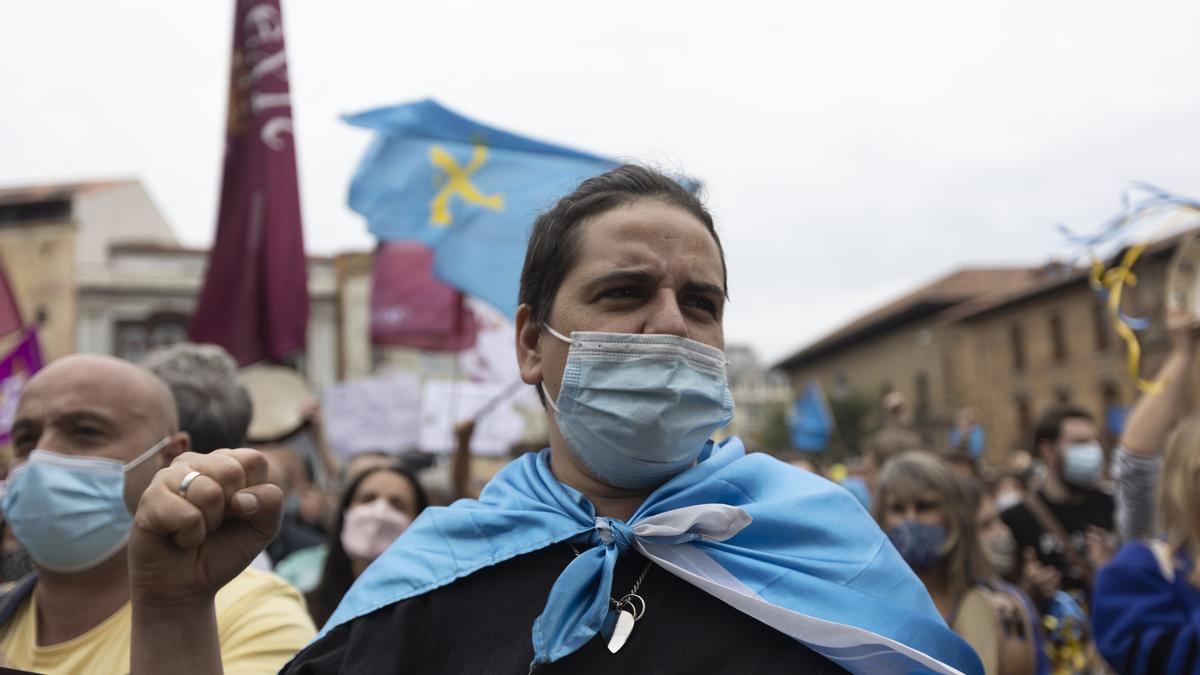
(96, 267)
(1006, 343)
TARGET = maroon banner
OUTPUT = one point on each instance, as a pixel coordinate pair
(255, 297)
(410, 308)
(10, 313)
(15, 370)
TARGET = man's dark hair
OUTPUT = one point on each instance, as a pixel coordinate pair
(1049, 427)
(214, 408)
(554, 241)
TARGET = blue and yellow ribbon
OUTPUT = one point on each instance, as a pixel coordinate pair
(1110, 284)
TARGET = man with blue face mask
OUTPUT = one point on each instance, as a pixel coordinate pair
(634, 543)
(1068, 522)
(89, 434)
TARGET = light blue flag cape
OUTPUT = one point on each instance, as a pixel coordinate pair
(776, 542)
(468, 191)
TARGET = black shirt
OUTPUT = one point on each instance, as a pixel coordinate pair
(1095, 508)
(483, 623)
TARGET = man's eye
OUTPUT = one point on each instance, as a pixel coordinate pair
(622, 293)
(24, 442)
(703, 304)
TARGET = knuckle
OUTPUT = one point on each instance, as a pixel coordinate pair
(206, 495)
(190, 520)
(230, 472)
(253, 460)
(186, 459)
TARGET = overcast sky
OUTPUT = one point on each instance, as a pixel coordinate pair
(852, 150)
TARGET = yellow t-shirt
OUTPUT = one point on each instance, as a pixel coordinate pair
(261, 620)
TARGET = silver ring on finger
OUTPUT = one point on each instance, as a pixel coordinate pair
(187, 482)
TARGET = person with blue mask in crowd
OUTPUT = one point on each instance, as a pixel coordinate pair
(89, 434)
(634, 543)
(1068, 525)
(1068, 522)
(932, 516)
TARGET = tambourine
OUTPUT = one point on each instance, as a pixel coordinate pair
(995, 623)
(1183, 278)
(278, 395)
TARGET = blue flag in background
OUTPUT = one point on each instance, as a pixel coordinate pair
(812, 423)
(468, 191)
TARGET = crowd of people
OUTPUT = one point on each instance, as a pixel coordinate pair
(141, 535)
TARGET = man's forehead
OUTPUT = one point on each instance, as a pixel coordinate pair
(648, 237)
(1078, 426)
(96, 387)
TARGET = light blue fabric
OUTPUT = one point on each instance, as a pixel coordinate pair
(637, 408)
(69, 511)
(481, 249)
(855, 486)
(975, 440)
(810, 547)
(811, 420)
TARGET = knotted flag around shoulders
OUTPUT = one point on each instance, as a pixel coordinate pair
(772, 541)
(468, 191)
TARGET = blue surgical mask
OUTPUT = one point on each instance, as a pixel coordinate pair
(1083, 464)
(69, 511)
(919, 544)
(637, 409)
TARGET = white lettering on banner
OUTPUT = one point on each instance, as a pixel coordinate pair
(262, 100)
(264, 26)
(392, 316)
(272, 130)
(272, 63)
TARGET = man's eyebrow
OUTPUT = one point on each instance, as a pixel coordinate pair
(634, 276)
(703, 287)
(78, 416)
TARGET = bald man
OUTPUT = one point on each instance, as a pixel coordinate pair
(90, 434)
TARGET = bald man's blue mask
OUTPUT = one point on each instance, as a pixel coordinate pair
(637, 409)
(69, 511)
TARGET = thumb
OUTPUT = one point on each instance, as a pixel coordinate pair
(260, 507)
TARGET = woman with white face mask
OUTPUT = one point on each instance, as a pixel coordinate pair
(375, 509)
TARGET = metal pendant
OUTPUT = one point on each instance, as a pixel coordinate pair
(629, 609)
(621, 633)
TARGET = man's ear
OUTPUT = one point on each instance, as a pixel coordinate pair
(529, 355)
(1045, 451)
(181, 442)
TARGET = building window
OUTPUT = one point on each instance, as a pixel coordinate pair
(135, 339)
(1017, 338)
(921, 382)
(841, 386)
(1024, 408)
(1062, 395)
(1102, 326)
(1058, 338)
